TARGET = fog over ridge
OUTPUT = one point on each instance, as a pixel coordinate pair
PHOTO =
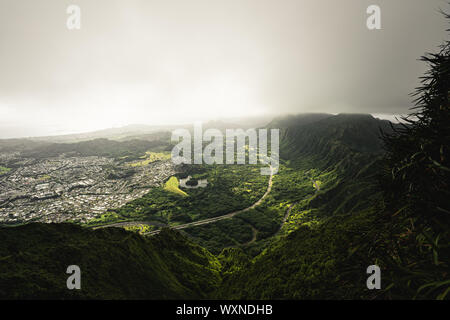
(163, 62)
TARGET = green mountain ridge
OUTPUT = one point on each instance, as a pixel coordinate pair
(114, 264)
(323, 253)
(333, 136)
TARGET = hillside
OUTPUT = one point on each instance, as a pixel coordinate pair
(319, 251)
(97, 147)
(332, 136)
(114, 264)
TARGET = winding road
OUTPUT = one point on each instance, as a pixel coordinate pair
(215, 219)
(223, 217)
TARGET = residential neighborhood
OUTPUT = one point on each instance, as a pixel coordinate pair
(73, 188)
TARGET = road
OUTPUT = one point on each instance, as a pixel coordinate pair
(129, 224)
(223, 217)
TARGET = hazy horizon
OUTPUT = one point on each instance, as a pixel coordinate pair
(174, 62)
(135, 126)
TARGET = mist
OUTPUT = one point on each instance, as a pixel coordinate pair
(178, 61)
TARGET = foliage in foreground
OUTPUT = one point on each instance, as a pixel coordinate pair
(114, 264)
(417, 177)
(405, 230)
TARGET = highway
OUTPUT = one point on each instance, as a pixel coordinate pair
(222, 217)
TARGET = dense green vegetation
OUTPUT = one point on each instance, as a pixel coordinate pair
(115, 264)
(332, 237)
(222, 234)
(265, 219)
(417, 175)
(140, 228)
(4, 170)
(400, 222)
(310, 263)
(322, 250)
(229, 188)
(382, 199)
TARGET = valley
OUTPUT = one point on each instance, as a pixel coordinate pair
(225, 155)
(297, 234)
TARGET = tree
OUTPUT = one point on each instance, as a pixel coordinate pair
(418, 151)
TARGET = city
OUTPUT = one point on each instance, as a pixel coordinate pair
(73, 188)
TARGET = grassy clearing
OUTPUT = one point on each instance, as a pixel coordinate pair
(140, 228)
(106, 218)
(226, 192)
(317, 184)
(4, 170)
(172, 186)
(150, 157)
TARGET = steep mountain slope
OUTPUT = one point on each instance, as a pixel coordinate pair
(344, 228)
(348, 146)
(336, 234)
(298, 120)
(325, 259)
(309, 263)
(333, 136)
(114, 264)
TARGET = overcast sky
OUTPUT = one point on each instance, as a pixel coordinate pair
(172, 61)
